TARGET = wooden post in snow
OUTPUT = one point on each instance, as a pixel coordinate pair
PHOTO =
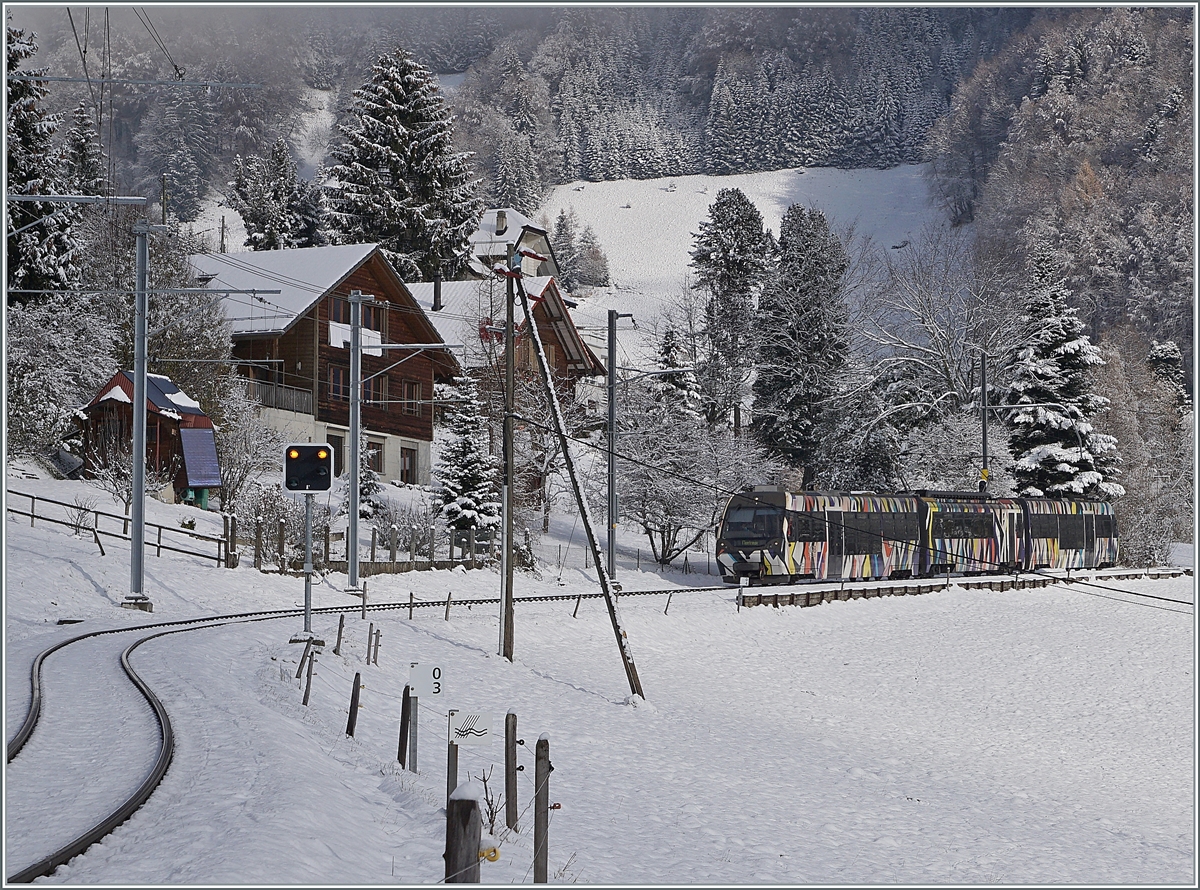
(464, 825)
(510, 770)
(352, 721)
(541, 809)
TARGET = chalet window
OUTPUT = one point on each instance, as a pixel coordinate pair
(550, 355)
(412, 397)
(339, 383)
(375, 391)
(375, 455)
(372, 315)
(408, 466)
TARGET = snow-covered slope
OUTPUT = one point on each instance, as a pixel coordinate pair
(958, 737)
(646, 227)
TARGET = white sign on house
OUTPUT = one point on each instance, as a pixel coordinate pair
(470, 729)
(425, 680)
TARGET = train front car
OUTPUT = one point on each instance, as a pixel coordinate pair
(751, 542)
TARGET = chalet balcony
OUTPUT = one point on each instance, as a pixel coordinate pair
(280, 397)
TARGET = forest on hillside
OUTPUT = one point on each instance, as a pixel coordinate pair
(1057, 141)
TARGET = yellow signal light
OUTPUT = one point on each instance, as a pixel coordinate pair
(322, 453)
(293, 453)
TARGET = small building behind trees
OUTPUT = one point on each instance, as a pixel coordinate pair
(180, 444)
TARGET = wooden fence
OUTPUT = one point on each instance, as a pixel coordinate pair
(78, 516)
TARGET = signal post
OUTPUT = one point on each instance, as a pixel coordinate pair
(308, 468)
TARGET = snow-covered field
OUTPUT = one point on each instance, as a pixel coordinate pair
(959, 737)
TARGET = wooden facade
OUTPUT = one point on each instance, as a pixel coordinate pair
(298, 363)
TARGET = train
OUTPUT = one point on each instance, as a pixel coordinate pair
(769, 535)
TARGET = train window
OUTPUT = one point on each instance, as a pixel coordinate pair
(1043, 525)
(751, 522)
(1105, 526)
(1070, 534)
(863, 532)
(962, 525)
(901, 527)
(806, 526)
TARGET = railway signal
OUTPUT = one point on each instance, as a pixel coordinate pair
(308, 467)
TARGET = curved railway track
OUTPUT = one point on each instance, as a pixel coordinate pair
(161, 721)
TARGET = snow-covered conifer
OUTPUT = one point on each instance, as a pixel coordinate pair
(466, 473)
(803, 338)
(279, 209)
(732, 255)
(43, 252)
(1056, 450)
(83, 160)
(398, 180)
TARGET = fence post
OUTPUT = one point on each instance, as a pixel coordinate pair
(96, 536)
(471, 544)
(282, 534)
(541, 809)
(378, 637)
(463, 828)
(337, 650)
(405, 708)
(412, 548)
(326, 543)
(414, 724)
(307, 652)
(158, 551)
(32, 510)
(231, 544)
(374, 535)
(364, 598)
(395, 543)
(258, 542)
(449, 593)
(370, 640)
(410, 604)
(308, 680)
(451, 762)
(510, 770)
(352, 721)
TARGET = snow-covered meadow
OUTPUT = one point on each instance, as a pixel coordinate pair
(957, 737)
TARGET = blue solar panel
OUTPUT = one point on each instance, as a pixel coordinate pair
(200, 458)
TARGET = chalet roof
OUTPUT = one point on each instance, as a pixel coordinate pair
(498, 228)
(467, 305)
(302, 275)
(163, 395)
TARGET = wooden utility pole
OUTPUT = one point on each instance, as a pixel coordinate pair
(635, 684)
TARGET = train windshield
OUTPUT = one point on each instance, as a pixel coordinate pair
(751, 522)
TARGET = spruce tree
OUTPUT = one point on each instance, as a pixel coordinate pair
(467, 473)
(803, 338)
(1055, 448)
(279, 209)
(398, 180)
(732, 255)
(42, 248)
(83, 161)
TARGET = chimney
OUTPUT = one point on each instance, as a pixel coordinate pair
(501, 222)
(437, 290)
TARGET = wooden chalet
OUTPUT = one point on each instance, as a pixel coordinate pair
(472, 313)
(293, 350)
(178, 434)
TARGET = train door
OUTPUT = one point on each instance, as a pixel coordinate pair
(835, 549)
(1089, 540)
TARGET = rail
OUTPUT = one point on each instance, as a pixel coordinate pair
(79, 514)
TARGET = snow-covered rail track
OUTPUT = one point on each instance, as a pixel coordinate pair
(93, 711)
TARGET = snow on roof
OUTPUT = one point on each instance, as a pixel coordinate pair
(301, 275)
(486, 241)
(116, 394)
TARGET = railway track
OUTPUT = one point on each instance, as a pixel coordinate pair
(70, 798)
